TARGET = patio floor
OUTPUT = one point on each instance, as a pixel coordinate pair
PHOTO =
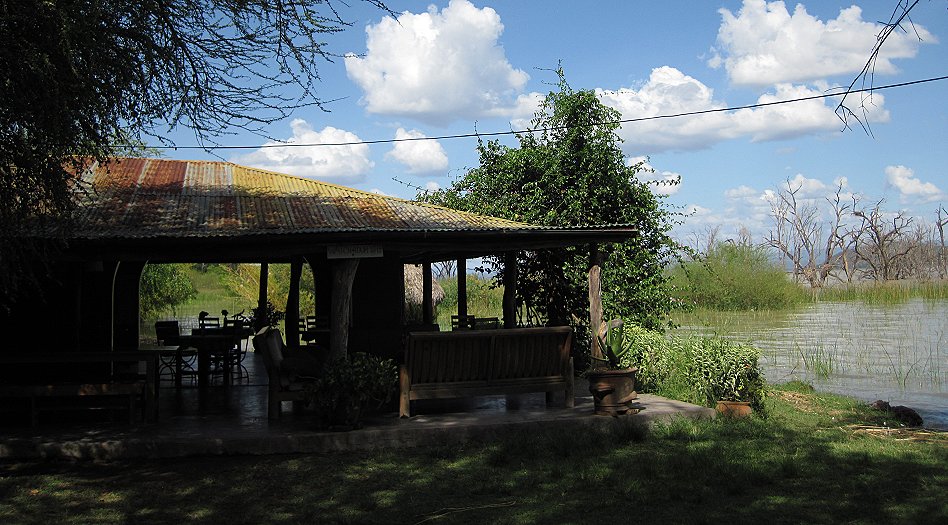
(233, 420)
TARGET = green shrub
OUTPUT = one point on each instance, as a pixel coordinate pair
(700, 370)
(735, 277)
(649, 351)
(723, 370)
(349, 387)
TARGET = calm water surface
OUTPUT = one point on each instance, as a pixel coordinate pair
(898, 353)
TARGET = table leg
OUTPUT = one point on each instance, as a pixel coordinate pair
(204, 365)
(178, 366)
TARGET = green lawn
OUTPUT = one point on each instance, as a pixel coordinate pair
(816, 459)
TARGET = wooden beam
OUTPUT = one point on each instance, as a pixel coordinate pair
(510, 290)
(343, 274)
(427, 306)
(462, 286)
(596, 260)
(262, 296)
(293, 304)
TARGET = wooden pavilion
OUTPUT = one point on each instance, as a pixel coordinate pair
(356, 244)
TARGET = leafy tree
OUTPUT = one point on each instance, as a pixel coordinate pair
(80, 79)
(163, 287)
(244, 281)
(570, 171)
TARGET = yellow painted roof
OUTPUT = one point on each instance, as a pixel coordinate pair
(143, 198)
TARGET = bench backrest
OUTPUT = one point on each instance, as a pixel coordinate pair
(487, 355)
(269, 344)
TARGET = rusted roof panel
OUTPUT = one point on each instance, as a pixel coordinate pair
(143, 198)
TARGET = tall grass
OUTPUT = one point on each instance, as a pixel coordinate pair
(883, 293)
(818, 360)
(735, 277)
(212, 297)
(483, 300)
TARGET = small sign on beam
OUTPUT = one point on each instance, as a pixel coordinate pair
(354, 251)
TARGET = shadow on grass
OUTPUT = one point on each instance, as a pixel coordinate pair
(794, 467)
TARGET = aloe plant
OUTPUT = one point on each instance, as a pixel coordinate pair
(610, 342)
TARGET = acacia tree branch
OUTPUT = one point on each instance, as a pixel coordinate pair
(866, 76)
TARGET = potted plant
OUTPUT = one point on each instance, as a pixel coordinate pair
(729, 376)
(350, 387)
(611, 382)
(266, 316)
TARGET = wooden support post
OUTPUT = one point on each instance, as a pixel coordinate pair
(510, 290)
(262, 296)
(462, 287)
(595, 298)
(126, 305)
(427, 306)
(343, 274)
(322, 282)
(293, 304)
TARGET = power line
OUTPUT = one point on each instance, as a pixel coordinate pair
(556, 128)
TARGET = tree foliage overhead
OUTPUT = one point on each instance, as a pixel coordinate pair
(80, 78)
(163, 287)
(571, 172)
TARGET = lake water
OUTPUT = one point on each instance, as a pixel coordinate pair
(897, 353)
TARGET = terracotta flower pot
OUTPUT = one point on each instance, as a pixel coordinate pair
(734, 408)
(613, 391)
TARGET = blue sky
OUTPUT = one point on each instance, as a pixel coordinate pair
(452, 67)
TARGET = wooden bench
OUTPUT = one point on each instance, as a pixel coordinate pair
(108, 395)
(444, 365)
(123, 385)
(288, 371)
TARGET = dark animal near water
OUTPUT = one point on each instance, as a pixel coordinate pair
(903, 414)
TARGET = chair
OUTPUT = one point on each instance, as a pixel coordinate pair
(287, 371)
(313, 329)
(237, 328)
(209, 322)
(224, 355)
(486, 323)
(168, 333)
(462, 322)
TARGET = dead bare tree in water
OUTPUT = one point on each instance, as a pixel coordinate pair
(705, 241)
(941, 220)
(882, 240)
(814, 247)
(444, 269)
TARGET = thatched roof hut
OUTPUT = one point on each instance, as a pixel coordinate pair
(414, 286)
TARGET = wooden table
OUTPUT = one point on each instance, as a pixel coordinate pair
(210, 341)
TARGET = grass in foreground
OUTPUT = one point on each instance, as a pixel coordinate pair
(817, 459)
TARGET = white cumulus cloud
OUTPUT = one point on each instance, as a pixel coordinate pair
(807, 187)
(766, 44)
(345, 164)
(437, 66)
(668, 91)
(911, 189)
(421, 157)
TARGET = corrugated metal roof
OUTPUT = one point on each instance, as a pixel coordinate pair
(143, 198)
